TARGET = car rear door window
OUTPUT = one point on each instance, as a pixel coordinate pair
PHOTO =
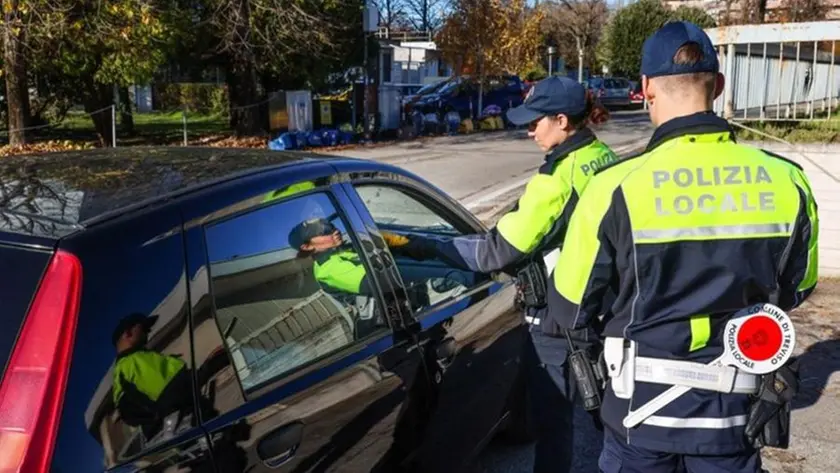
(289, 286)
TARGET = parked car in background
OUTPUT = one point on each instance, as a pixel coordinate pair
(636, 96)
(409, 100)
(612, 91)
(461, 95)
(407, 90)
(282, 365)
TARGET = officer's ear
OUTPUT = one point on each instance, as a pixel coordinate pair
(647, 91)
(562, 121)
(720, 81)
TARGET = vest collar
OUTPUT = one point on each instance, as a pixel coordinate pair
(341, 251)
(581, 138)
(131, 351)
(323, 256)
(694, 124)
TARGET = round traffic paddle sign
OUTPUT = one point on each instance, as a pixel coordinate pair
(759, 339)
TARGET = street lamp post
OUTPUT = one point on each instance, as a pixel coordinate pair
(551, 51)
(370, 22)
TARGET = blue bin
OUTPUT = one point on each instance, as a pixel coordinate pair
(329, 137)
(301, 139)
(314, 138)
(453, 121)
(345, 137)
(283, 142)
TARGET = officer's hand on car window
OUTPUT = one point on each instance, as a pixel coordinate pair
(394, 239)
(414, 247)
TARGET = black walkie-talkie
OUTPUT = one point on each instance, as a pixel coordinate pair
(585, 378)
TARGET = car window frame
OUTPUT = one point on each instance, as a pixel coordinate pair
(442, 205)
(345, 352)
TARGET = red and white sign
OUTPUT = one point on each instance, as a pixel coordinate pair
(759, 339)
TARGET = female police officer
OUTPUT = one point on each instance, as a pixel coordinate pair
(558, 111)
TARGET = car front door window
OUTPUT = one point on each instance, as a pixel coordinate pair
(400, 211)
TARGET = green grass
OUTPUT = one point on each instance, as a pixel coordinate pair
(149, 128)
(819, 130)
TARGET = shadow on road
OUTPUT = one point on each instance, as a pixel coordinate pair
(818, 363)
(503, 458)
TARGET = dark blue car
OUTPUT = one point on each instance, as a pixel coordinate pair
(461, 95)
(157, 317)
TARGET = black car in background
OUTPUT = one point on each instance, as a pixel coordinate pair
(461, 94)
(282, 372)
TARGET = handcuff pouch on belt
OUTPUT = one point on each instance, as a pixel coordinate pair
(531, 284)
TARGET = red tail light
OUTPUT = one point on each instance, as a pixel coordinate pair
(32, 390)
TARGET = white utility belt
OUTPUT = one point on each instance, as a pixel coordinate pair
(625, 368)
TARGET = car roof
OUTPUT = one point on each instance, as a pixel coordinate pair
(53, 194)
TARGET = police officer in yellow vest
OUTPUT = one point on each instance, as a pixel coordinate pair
(558, 111)
(664, 248)
(148, 385)
(293, 189)
(335, 265)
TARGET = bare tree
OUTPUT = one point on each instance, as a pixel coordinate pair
(272, 32)
(575, 26)
(752, 12)
(391, 13)
(14, 67)
(425, 15)
(794, 11)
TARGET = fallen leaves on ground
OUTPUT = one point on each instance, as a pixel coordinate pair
(235, 142)
(45, 147)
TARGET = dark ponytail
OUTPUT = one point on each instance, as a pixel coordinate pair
(594, 113)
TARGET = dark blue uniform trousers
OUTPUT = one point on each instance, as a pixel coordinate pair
(618, 457)
(553, 394)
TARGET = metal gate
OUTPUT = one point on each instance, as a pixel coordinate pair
(784, 71)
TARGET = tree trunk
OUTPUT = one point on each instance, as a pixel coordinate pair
(242, 89)
(242, 81)
(760, 11)
(126, 116)
(480, 85)
(98, 98)
(17, 91)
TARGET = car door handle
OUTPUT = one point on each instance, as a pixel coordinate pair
(279, 446)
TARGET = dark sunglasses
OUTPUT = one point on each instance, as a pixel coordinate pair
(533, 125)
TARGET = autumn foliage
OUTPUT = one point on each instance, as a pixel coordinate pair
(488, 37)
